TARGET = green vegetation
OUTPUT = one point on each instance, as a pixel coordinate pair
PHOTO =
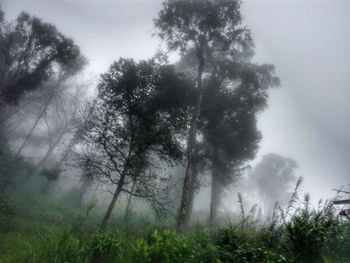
(45, 229)
(154, 132)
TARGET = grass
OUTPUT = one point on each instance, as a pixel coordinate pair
(44, 230)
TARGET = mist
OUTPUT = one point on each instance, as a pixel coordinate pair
(119, 118)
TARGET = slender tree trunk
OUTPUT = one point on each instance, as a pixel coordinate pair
(215, 199)
(96, 255)
(194, 188)
(50, 150)
(128, 205)
(184, 211)
(34, 126)
(108, 213)
(65, 154)
(87, 181)
(117, 192)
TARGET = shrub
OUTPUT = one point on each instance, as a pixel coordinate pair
(236, 246)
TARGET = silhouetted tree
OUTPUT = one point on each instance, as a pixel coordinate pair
(134, 120)
(233, 98)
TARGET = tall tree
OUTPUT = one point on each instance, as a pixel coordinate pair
(208, 27)
(233, 98)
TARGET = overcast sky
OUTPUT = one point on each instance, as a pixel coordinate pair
(307, 40)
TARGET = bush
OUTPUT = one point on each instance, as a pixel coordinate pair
(167, 246)
(236, 246)
(310, 237)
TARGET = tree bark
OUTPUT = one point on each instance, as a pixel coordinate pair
(215, 199)
(185, 206)
(194, 188)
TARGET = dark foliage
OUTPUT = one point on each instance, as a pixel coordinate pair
(31, 52)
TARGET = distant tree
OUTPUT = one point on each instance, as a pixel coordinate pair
(51, 114)
(208, 27)
(273, 177)
(135, 120)
(62, 119)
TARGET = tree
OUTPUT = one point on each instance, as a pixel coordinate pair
(209, 28)
(53, 111)
(135, 120)
(279, 170)
(32, 51)
(233, 98)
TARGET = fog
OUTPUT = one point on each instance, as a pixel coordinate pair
(307, 41)
(181, 130)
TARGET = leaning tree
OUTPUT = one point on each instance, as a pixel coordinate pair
(134, 121)
(31, 51)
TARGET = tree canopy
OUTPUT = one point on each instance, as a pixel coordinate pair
(31, 51)
(134, 121)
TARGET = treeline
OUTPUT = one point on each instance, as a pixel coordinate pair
(148, 116)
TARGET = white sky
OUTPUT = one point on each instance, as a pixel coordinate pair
(307, 40)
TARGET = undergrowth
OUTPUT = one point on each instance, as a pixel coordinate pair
(45, 230)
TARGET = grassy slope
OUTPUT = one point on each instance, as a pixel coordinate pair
(46, 230)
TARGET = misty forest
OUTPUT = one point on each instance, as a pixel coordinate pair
(156, 158)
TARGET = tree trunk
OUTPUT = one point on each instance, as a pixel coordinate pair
(50, 150)
(108, 213)
(185, 206)
(66, 152)
(34, 126)
(96, 255)
(194, 189)
(128, 205)
(215, 199)
(87, 181)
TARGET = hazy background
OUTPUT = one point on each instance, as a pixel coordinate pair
(307, 40)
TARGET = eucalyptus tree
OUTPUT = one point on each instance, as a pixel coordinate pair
(208, 27)
(134, 121)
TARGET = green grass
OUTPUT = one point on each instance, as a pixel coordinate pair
(303, 239)
(43, 229)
